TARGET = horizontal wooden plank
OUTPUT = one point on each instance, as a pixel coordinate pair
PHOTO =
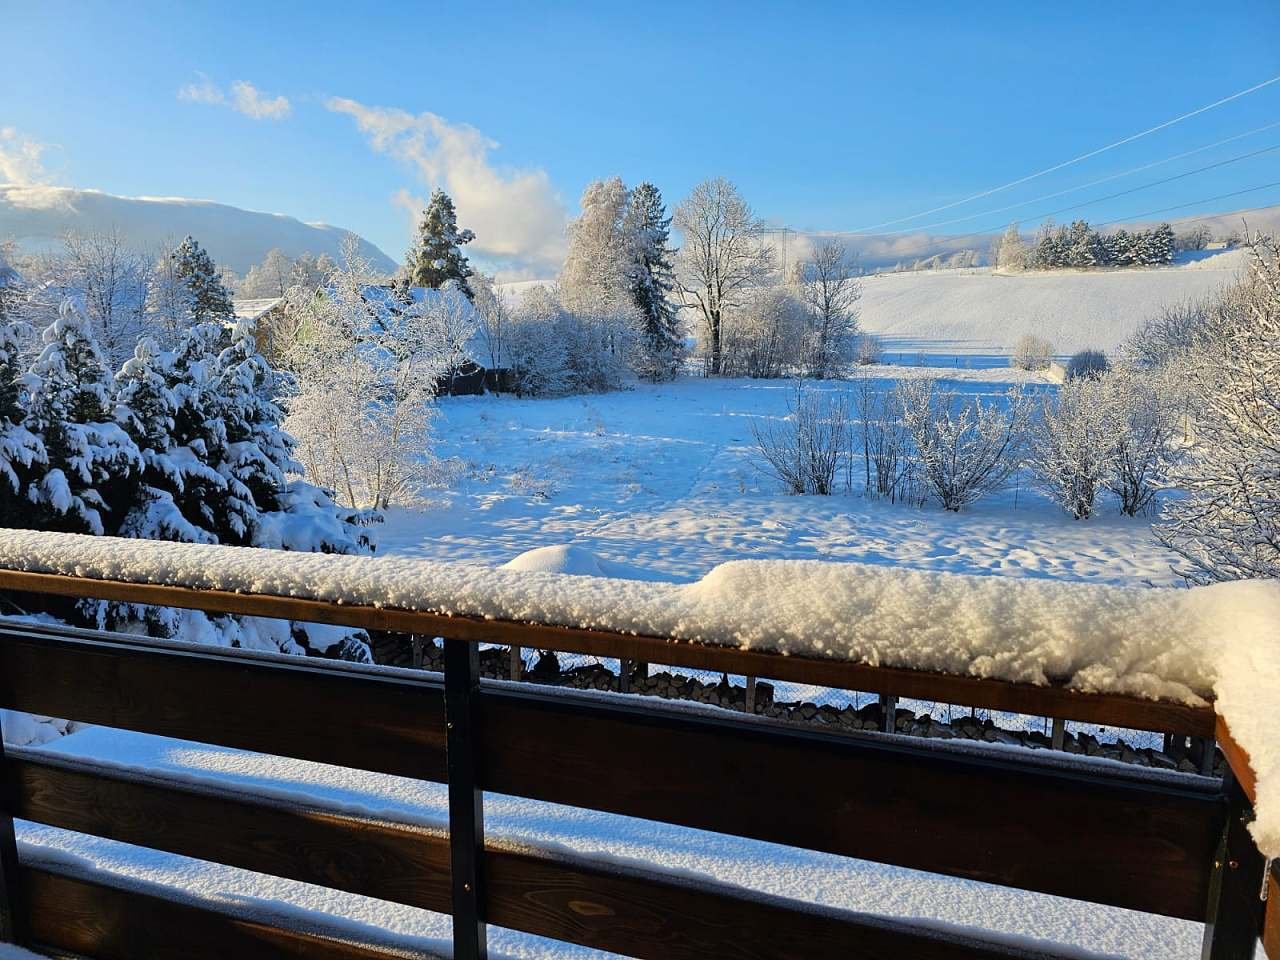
(1053, 701)
(294, 839)
(388, 724)
(107, 922)
(621, 909)
(1101, 837)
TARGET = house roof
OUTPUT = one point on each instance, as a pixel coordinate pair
(254, 309)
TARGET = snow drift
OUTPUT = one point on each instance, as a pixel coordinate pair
(1162, 643)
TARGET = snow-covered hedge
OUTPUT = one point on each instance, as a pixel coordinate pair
(1186, 645)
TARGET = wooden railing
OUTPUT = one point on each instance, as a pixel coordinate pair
(1177, 847)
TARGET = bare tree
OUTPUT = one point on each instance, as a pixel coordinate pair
(831, 288)
(1031, 353)
(495, 324)
(1148, 413)
(966, 448)
(722, 256)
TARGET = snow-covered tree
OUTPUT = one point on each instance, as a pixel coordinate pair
(494, 315)
(368, 366)
(538, 345)
(206, 295)
(436, 255)
(1227, 526)
(831, 289)
(270, 278)
(722, 258)
(965, 448)
(767, 336)
(661, 344)
(1148, 411)
(92, 467)
(1072, 445)
(1010, 253)
(21, 451)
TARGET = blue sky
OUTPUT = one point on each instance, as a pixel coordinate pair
(829, 117)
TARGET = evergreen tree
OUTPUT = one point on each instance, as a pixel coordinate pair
(21, 452)
(652, 281)
(1084, 247)
(195, 270)
(92, 466)
(436, 256)
(158, 407)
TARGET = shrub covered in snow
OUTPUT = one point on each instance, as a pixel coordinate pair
(1227, 526)
(1087, 364)
(966, 448)
(1031, 353)
(806, 448)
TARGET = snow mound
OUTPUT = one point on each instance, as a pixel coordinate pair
(1161, 643)
(579, 562)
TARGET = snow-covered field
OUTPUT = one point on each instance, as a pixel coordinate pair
(976, 314)
(665, 478)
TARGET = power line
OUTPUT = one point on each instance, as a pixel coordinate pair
(1083, 186)
(1074, 160)
(1193, 203)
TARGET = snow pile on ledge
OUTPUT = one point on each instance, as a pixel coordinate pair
(1174, 644)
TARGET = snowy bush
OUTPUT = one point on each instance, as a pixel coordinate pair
(1087, 364)
(1031, 353)
(966, 448)
(1227, 527)
(1071, 445)
(1171, 336)
(888, 466)
(869, 350)
(1147, 414)
(766, 336)
(804, 449)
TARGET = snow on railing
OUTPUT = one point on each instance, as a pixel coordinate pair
(1187, 645)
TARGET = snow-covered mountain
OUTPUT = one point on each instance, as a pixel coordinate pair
(37, 216)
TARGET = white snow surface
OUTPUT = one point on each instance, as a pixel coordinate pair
(1160, 643)
(960, 312)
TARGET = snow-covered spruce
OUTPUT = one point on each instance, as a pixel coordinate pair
(1176, 644)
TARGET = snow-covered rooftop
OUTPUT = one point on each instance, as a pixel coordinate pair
(254, 309)
(1187, 645)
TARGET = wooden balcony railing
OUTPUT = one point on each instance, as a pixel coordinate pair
(1098, 833)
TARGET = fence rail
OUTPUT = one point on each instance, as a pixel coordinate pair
(1097, 833)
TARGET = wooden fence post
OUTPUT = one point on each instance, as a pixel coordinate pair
(888, 711)
(1059, 740)
(12, 916)
(1233, 918)
(750, 699)
(466, 799)
(515, 668)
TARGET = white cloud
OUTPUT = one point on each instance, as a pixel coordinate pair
(518, 220)
(21, 159)
(243, 97)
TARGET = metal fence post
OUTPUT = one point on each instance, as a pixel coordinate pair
(1233, 918)
(12, 916)
(466, 799)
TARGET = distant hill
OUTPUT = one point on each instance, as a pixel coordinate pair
(977, 312)
(37, 216)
